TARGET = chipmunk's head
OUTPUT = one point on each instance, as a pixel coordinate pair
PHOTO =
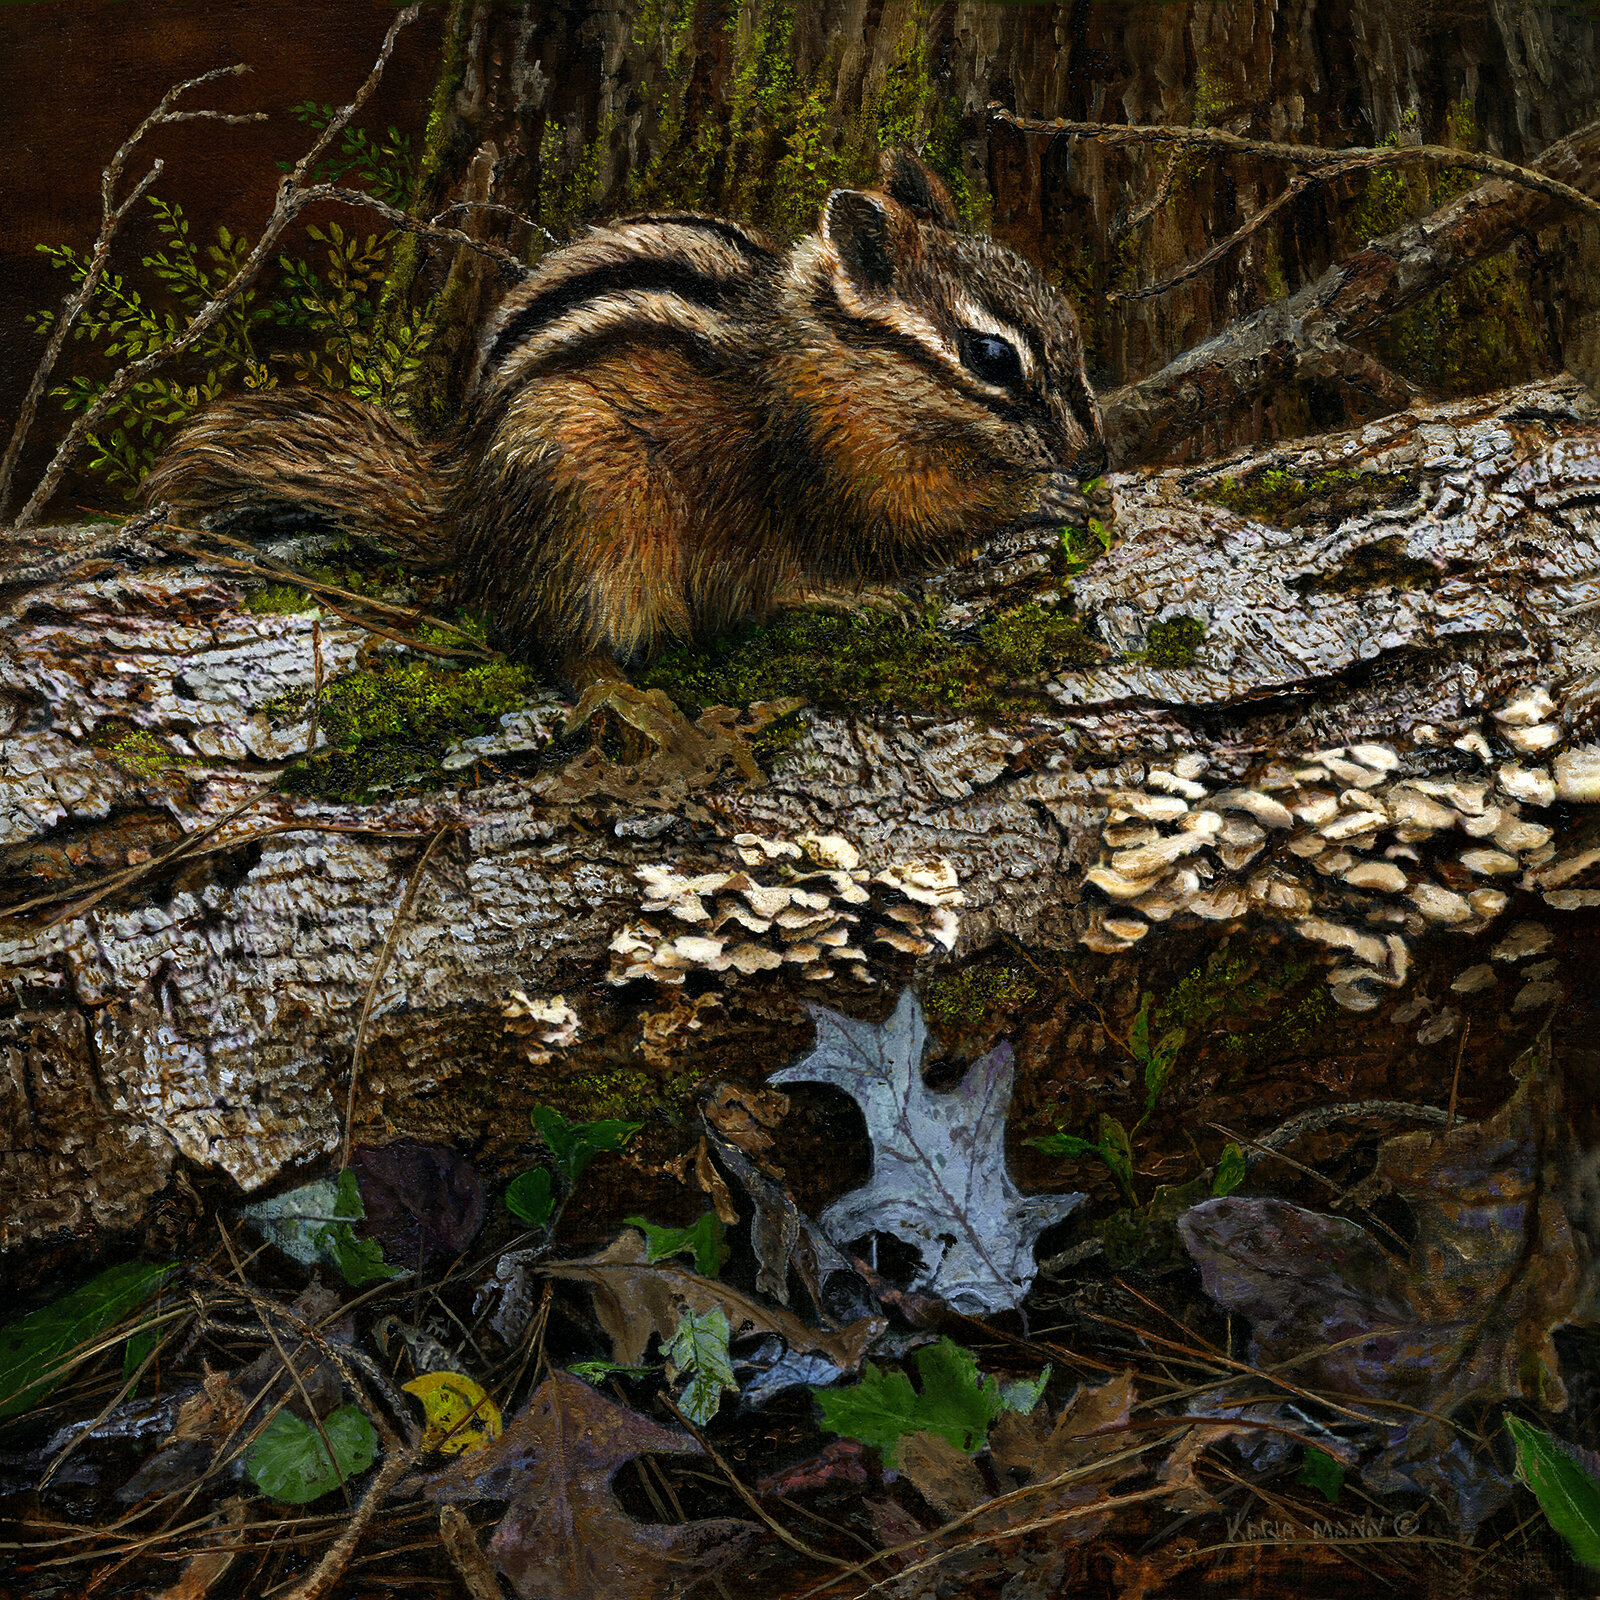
(980, 348)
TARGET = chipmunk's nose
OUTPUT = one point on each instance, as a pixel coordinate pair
(1091, 460)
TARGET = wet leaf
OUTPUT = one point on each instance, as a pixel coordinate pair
(939, 1175)
(700, 1349)
(36, 1351)
(564, 1536)
(422, 1201)
(1467, 1317)
(1568, 1496)
(460, 1416)
(290, 1463)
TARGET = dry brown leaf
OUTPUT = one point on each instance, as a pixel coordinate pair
(944, 1474)
(1492, 1271)
(203, 1572)
(712, 1182)
(635, 1300)
(564, 1536)
(1028, 1453)
(743, 1116)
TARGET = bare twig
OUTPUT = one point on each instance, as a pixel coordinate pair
(504, 211)
(1193, 269)
(332, 1566)
(293, 1369)
(407, 223)
(797, 1545)
(1121, 227)
(1332, 163)
(112, 213)
(1455, 1077)
(97, 889)
(401, 913)
(263, 566)
(294, 194)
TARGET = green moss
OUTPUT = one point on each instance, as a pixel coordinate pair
(136, 750)
(1483, 329)
(389, 725)
(1173, 643)
(626, 1093)
(966, 999)
(1249, 1004)
(1480, 331)
(279, 599)
(1288, 498)
(860, 661)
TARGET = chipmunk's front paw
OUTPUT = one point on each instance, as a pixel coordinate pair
(1059, 501)
(872, 599)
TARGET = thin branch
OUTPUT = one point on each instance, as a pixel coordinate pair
(410, 224)
(332, 1566)
(1354, 158)
(401, 913)
(294, 194)
(504, 211)
(1121, 227)
(1297, 186)
(112, 214)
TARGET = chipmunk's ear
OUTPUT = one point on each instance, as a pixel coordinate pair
(862, 229)
(906, 178)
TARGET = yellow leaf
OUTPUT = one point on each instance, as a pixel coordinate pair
(461, 1417)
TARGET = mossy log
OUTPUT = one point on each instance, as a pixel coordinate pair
(1329, 712)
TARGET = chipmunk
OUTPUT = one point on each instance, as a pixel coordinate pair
(672, 423)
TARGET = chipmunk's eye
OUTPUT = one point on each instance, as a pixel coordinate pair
(994, 360)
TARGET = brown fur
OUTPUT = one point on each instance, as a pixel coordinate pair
(672, 422)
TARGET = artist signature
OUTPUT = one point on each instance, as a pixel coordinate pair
(1348, 1530)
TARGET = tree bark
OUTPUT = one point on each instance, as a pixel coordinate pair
(753, 109)
(201, 1010)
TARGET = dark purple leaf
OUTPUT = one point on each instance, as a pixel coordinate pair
(423, 1201)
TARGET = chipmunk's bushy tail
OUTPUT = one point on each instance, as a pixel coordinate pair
(298, 455)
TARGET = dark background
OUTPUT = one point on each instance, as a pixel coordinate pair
(77, 76)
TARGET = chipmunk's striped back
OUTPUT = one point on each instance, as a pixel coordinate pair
(671, 422)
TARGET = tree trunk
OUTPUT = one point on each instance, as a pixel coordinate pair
(756, 108)
(1322, 744)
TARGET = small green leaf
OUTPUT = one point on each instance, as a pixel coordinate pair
(1065, 1144)
(1139, 1034)
(1159, 1066)
(1116, 1149)
(596, 1371)
(1321, 1471)
(37, 1351)
(575, 1144)
(1567, 1495)
(883, 1408)
(1231, 1171)
(528, 1196)
(359, 1261)
(290, 1463)
(703, 1240)
(699, 1348)
(1025, 1393)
